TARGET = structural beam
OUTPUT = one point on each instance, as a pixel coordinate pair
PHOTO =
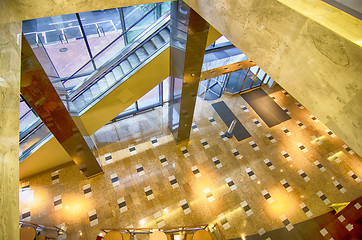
(39, 92)
(181, 110)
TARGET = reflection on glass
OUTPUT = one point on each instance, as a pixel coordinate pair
(236, 81)
(140, 27)
(27, 117)
(260, 75)
(266, 79)
(177, 91)
(32, 140)
(101, 28)
(249, 79)
(150, 99)
(129, 110)
(74, 82)
(133, 13)
(166, 89)
(62, 40)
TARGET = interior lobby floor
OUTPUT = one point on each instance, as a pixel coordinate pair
(139, 188)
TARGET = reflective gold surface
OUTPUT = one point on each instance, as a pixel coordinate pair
(39, 92)
(226, 69)
(195, 49)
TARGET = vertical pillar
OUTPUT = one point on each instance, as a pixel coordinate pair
(178, 37)
(181, 110)
(39, 92)
(10, 28)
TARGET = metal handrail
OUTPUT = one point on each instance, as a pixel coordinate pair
(37, 226)
(113, 41)
(219, 235)
(100, 30)
(40, 225)
(61, 38)
(113, 63)
(170, 230)
(124, 78)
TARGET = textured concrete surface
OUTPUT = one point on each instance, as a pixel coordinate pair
(310, 48)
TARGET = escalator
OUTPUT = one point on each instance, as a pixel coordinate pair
(121, 68)
(109, 90)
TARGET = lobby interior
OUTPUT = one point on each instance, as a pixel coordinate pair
(135, 147)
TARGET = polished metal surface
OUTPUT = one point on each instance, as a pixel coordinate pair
(39, 92)
(226, 69)
(197, 33)
(229, 132)
(178, 37)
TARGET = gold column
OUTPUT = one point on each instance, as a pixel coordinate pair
(197, 32)
(39, 92)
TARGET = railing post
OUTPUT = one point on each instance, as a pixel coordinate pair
(229, 132)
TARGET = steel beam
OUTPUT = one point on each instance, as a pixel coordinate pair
(39, 92)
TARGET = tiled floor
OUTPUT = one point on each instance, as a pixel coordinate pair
(147, 174)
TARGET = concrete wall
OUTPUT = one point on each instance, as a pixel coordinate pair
(310, 48)
(30, 9)
(10, 27)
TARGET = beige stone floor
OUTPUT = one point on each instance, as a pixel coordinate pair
(116, 138)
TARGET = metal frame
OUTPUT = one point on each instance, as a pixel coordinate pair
(106, 47)
(123, 24)
(86, 40)
(242, 85)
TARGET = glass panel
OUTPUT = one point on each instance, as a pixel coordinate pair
(133, 13)
(33, 139)
(177, 91)
(266, 79)
(27, 117)
(141, 25)
(74, 82)
(249, 79)
(258, 78)
(166, 89)
(270, 83)
(101, 28)
(109, 53)
(222, 41)
(27, 121)
(24, 108)
(62, 40)
(150, 99)
(236, 81)
(128, 110)
(166, 6)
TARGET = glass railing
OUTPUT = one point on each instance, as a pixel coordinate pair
(114, 48)
(121, 68)
(33, 141)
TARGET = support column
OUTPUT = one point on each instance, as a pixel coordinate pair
(39, 92)
(10, 28)
(185, 65)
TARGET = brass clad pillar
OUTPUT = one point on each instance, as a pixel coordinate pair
(197, 32)
(39, 92)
